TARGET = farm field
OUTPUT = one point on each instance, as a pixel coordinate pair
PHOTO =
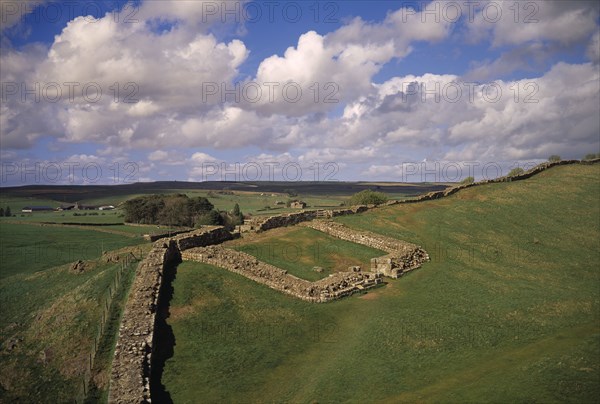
(507, 310)
(51, 315)
(256, 199)
(26, 249)
(299, 249)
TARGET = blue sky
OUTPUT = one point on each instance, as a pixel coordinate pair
(378, 83)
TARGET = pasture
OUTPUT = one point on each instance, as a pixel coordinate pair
(507, 310)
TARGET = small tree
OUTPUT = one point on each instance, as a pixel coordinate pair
(238, 217)
(368, 197)
(591, 156)
(468, 180)
(1, 212)
(554, 158)
(210, 218)
(7, 212)
(516, 171)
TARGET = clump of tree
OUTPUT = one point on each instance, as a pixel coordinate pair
(516, 171)
(368, 197)
(171, 210)
(468, 180)
(591, 156)
(291, 192)
(554, 158)
(7, 212)
(1, 212)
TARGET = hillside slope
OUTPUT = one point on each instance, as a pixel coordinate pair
(507, 310)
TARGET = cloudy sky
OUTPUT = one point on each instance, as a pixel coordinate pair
(112, 92)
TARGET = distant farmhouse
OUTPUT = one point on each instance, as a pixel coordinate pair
(84, 207)
(298, 205)
(106, 207)
(31, 209)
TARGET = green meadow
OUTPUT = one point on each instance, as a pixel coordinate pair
(26, 249)
(507, 310)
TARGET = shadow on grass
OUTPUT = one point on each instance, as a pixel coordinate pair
(164, 339)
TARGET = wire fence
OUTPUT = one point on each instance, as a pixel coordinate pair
(106, 303)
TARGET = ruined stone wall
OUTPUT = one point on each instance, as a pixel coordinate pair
(333, 287)
(374, 240)
(154, 237)
(287, 219)
(207, 235)
(402, 257)
(527, 174)
(130, 374)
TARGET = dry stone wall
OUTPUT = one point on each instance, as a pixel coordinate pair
(333, 287)
(288, 219)
(403, 256)
(207, 235)
(367, 238)
(527, 174)
(130, 375)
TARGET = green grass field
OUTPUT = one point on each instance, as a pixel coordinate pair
(506, 311)
(47, 328)
(49, 315)
(299, 249)
(26, 249)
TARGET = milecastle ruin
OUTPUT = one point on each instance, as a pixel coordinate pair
(132, 364)
(131, 369)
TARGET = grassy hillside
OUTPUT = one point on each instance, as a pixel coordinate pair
(49, 321)
(28, 248)
(506, 311)
(50, 315)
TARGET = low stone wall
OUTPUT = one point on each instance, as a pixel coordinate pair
(403, 256)
(155, 237)
(130, 375)
(527, 174)
(289, 219)
(374, 240)
(333, 287)
(207, 235)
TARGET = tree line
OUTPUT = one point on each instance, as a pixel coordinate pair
(179, 210)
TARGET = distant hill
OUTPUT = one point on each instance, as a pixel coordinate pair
(73, 193)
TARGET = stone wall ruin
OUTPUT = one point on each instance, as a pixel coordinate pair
(402, 256)
(333, 287)
(130, 374)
